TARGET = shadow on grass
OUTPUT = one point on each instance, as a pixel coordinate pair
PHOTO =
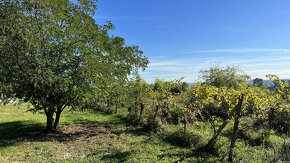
(15, 132)
(119, 156)
(18, 131)
(252, 137)
(28, 131)
(12, 133)
(112, 122)
(197, 155)
(138, 131)
(181, 139)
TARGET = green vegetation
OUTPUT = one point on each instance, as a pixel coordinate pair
(54, 57)
(94, 136)
(230, 77)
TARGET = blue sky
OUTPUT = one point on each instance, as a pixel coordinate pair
(180, 38)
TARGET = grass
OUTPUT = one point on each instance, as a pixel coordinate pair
(94, 136)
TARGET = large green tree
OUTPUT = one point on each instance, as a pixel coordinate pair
(55, 56)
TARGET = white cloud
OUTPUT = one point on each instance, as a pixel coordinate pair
(255, 66)
(131, 17)
(242, 50)
(108, 17)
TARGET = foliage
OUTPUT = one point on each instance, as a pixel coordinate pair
(105, 138)
(278, 110)
(139, 92)
(230, 77)
(54, 55)
(217, 106)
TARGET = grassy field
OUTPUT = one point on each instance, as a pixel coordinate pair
(98, 137)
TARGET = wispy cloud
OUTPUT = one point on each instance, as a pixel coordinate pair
(108, 17)
(102, 17)
(255, 66)
(242, 50)
(158, 57)
(132, 17)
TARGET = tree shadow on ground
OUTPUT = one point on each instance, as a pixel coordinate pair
(12, 133)
(29, 131)
(253, 139)
(113, 122)
(193, 150)
(118, 156)
(197, 154)
(181, 139)
(138, 131)
(18, 131)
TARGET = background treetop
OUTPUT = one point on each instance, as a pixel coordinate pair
(230, 77)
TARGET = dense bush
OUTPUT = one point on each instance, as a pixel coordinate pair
(154, 105)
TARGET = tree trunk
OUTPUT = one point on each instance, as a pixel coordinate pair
(270, 121)
(184, 123)
(236, 125)
(136, 109)
(141, 109)
(156, 111)
(49, 121)
(108, 103)
(57, 117)
(213, 140)
(116, 108)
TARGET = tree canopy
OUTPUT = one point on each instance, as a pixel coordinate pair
(54, 55)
